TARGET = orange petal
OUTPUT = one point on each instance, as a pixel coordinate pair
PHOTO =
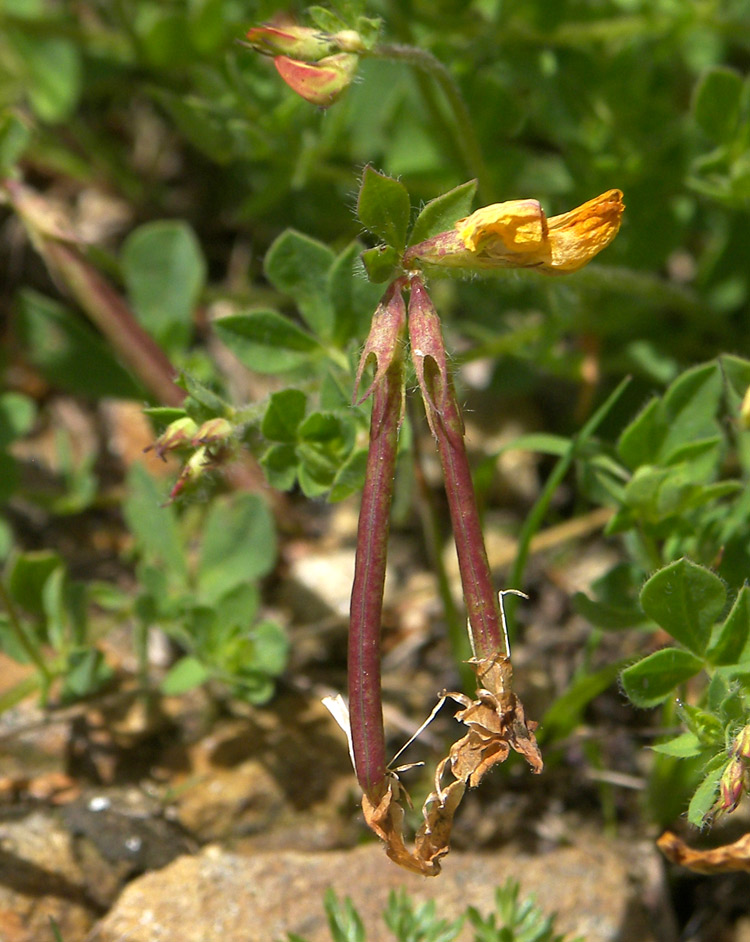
(577, 236)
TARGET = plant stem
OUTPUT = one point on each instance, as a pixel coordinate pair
(465, 134)
(444, 417)
(23, 639)
(459, 645)
(365, 705)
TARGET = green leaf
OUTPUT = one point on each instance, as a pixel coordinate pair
(235, 610)
(266, 341)
(354, 297)
(730, 642)
(203, 124)
(689, 408)
(736, 372)
(27, 576)
(15, 135)
(685, 599)
(154, 525)
(380, 263)
(707, 792)
(187, 674)
(639, 443)
(298, 266)
(203, 403)
(286, 409)
(681, 747)
(17, 414)
(86, 672)
(280, 465)
(13, 695)
(716, 103)
(702, 724)
(652, 680)
(443, 212)
(350, 478)
(383, 208)
(165, 272)
(68, 352)
(52, 78)
(270, 648)
(606, 615)
(239, 544)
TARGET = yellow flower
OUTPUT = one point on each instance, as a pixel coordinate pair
(517, 234)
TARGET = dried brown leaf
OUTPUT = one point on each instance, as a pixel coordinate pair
(497, 723)
(725, 859)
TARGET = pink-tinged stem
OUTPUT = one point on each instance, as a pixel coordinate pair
(96, 296)
(444, 417)
(365, 705)
(116, 321)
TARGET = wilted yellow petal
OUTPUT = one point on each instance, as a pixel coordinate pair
(518, 224)
(577, 236)
(517, 234)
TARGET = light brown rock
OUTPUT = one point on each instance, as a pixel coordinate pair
(39, 879)
(217, 895)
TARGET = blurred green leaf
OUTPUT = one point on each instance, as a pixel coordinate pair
(186, 674)
(51, 73)
(15, 135)
(286, 409)
(238, 545)
(27, 576)
(68, 352)
(17, 414)
(298, 266)
(165, 271)
(266, 341)
(154, 525)
(716, 103)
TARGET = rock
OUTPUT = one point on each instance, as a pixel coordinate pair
(218, 895)
(41, 879)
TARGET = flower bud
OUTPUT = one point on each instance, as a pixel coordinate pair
(731, 786)
(741, 746)
(213, 432)
(193, 469)
(321, 83)
(745, 410)
(178, 434)
(299, 42)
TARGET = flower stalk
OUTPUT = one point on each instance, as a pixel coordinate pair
(444, 418)
(387, 390)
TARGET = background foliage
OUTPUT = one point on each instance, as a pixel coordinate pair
(225, 217)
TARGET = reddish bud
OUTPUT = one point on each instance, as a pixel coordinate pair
(731, 785)
(320, 83)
